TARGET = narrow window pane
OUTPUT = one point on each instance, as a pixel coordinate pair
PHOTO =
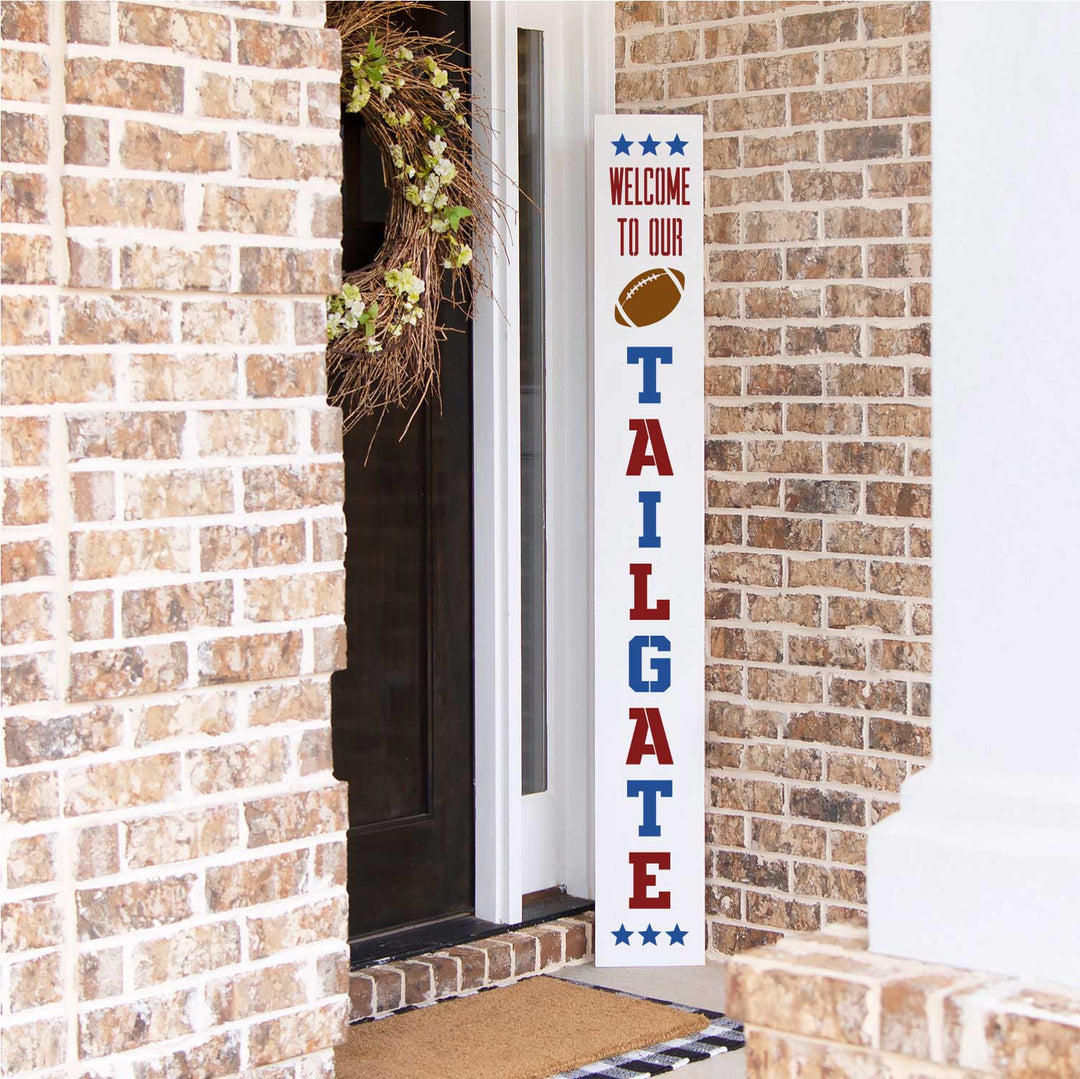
(531, 307)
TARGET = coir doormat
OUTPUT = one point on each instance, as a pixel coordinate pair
(535, 1029)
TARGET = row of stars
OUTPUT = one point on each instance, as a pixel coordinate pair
(648, 935)
(648, 145)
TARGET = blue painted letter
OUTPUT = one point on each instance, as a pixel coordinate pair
(651, 789)
(659, 665)
(649, 358)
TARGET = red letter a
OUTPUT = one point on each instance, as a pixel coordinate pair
(647, 433)
(647, 721)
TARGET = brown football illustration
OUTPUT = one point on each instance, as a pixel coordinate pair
(651, 296)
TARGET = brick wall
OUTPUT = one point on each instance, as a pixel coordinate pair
(173, 847)
(817, 393)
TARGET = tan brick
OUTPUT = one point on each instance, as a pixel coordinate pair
(306, 700)
(727, 341)
(898, 499)
(638, 86)
(872, 62)
(897, 20)
(186, 952)
(155, 266)
(831, 419)
(786, 837)
(259, 880)
(26, 260)
(820, 496)
(34, 796)
(114, 320)
(232, 322)
(25, 321)
(87, 22)
(196, 33)
(761, 570)
(26, 501)
(25, 20)
(815, 262)
(126, 435)
(899, 260)
(286, 375)
(24, 76)
(284, 487)
(782, 303)
(297, 1033)
(23, 195)
(181, 837)
(40, 1043)
(740, 38)
(820, 28)
(26, 140)
(267, 989)
(702, 80)
(27, 678)
(224, 547)
(776, 72)
(850, 222)
(198, 713)
(97, 851)
(121, 784)
(143, 904)
(299, 926)
(747, 113)
(766, 684)
(222, 768)
(899, 179)
(324, 104)
(33, 741)
(761, 187)
(272, 270)
(824, 106)
(234, 98)
(267, 157)
(31, 860)
(842, 573)
(250, 658)
(101, 554)
(864, 380)
(176, 608)
(86, 140)
(898, 579)
(884, 695)
(818, 185)
(829, 651)
(268, 44)
(93, 497)
(89, 265)
(164, 377)
(296, 815)
(121, 1027)
(666, 48)
(177, 493)
(124, 84)
(218, 1055)
(275, 599)
(101, 974)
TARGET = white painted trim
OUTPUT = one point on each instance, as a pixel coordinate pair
(586, 36)
(496, 496)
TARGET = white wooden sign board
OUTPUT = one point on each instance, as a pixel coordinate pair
(649, 617)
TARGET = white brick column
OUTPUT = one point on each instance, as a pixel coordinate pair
(981, 866)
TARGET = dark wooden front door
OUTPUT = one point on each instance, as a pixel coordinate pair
(402, 710)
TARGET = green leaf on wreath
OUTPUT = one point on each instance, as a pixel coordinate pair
(456, 214)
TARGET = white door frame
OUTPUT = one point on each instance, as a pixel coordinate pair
(584, 35)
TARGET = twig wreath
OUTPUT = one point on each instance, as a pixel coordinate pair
(383, 328)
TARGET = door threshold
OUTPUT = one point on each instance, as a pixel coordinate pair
(449, 932)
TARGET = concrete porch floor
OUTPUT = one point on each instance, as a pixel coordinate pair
(702, 987)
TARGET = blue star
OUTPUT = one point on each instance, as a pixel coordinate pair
(622, 145)
(675, 145)
(677, 935)
(648, 934)
(622, 935)
(648, 145)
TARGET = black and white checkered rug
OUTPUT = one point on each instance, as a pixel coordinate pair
(722, 1035)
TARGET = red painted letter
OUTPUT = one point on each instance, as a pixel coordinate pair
(641, 611)
(648, 721)
(647, 433)
(644, 880)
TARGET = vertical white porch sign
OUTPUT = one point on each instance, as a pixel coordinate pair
(649, 617)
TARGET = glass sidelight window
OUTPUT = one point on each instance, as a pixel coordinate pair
(533, 369)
